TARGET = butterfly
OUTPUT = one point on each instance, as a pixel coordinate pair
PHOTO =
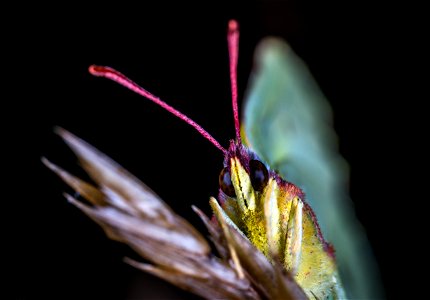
(279, 169)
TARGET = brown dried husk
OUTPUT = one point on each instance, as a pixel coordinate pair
(131, 213)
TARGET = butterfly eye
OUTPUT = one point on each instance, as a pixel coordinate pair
(226, 184)
(259, 175)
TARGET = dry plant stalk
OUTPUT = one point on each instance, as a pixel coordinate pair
(131, 213)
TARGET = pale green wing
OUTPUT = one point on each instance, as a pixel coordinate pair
(287, 123)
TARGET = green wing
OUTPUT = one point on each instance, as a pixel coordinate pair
(288, 124)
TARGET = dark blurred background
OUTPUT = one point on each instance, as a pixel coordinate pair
(178, 52)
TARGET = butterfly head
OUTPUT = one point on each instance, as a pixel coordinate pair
(244, 173)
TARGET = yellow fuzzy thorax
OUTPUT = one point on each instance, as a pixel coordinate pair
(282, 227)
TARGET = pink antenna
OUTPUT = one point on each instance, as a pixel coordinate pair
(233, 50)
(118, 77)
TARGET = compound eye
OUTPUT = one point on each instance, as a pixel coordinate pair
(259, 175)
(225, 183)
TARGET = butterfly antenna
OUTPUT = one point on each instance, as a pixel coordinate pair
(233, 50)
(121, 79)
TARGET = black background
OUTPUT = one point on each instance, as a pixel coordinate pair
(178, 52)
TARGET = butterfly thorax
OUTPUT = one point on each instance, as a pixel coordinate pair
(272, 213)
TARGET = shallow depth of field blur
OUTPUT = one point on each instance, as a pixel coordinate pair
(178, 52)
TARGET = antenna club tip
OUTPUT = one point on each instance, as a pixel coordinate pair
(96, 70)
(233, 25)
